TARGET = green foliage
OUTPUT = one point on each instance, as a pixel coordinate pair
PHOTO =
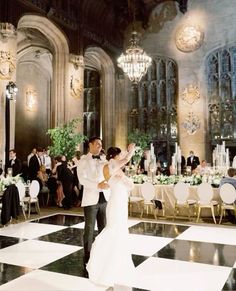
(141, 138)
(142, 141)
(65, 139)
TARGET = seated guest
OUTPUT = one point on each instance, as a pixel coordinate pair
(14, 163)
(202, 168)
(231, 179)
(192, 160)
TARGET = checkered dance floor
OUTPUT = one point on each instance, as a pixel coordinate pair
(47, 255)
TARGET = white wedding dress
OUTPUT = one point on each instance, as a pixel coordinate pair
(110, 260)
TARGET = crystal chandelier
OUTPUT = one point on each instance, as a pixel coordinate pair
(135, 61)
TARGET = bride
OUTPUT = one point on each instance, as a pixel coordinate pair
(110, 260)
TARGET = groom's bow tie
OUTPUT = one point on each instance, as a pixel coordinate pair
(96, 157)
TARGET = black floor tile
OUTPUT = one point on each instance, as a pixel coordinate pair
(68, 236)
(230, 284)
(137, 259)
(61, 219)
(70, 265)
(199, 252)
(11, 272)
(158, 229)
(6, 241)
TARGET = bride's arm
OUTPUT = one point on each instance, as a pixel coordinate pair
(118, 164)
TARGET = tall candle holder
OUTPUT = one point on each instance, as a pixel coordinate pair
(176, 160)
(220, 159)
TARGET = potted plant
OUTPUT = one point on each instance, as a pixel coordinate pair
(65, 139)
(142, 141)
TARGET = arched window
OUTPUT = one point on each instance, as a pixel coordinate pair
(221, 77)
(154, 106)
(91, 103)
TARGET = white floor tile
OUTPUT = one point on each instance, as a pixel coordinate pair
(157, 274)
(35, 254)
(132, 222)
(81, 225)
(210, 234)
(29, 230)
(147, 245)
(49, 281)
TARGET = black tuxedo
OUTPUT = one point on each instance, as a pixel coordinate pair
(34, 165)
(193, 162)
(142, 166)
(16, 166)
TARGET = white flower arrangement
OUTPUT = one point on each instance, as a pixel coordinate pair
(9, 180)
(173, 179)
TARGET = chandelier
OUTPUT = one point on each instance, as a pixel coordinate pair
(135, 61)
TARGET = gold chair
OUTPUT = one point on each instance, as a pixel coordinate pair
(33, 197)
(181, 193)
(228, 197)
(205, 194)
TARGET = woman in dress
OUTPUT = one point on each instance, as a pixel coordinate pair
(110, 260)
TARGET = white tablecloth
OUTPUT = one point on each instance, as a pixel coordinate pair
(166, 193)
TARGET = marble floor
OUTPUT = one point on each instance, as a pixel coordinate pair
(46, 254)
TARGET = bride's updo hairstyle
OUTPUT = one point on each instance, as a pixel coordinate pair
(112, 152)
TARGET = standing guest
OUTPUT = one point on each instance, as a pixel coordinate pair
(144, 162)
(33, 152)
(14, 163)
(66, 177)
(34, 164)
(192, 161)
(95, 195)
(47, 162)
(55, 186)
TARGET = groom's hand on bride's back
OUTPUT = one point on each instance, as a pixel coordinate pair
(103, 185)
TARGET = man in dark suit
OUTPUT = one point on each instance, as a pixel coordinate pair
(14, 163)
(193, 161)
(34, 164)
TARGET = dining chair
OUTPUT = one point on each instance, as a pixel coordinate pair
(228, 197)
(181, 193)
(33, 197)
(148, 193)
(21, 189)
(205, 194)
(135, 201)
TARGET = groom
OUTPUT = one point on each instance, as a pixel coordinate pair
(95, 195)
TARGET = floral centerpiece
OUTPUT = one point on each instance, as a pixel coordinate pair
(9, 180)
(193, 180)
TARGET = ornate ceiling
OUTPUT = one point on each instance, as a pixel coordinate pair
(101, 22)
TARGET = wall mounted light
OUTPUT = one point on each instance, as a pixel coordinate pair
(31, 100)
(11, 90)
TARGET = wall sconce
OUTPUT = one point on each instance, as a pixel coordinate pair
(31, 100)
(11, 90)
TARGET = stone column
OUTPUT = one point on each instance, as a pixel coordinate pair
(8, 51)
